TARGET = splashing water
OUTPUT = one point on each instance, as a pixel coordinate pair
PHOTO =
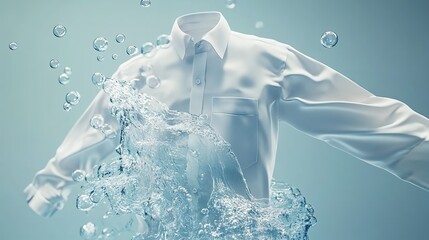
(174, 178)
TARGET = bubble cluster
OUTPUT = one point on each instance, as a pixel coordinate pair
(147, 186)
(13, 46)
(100, 44)
(59, 31)
(329, 39)
(88, 231)
(54, 63)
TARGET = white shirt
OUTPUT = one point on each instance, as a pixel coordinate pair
(246, 85)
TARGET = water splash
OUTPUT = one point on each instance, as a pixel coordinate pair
(174, 178)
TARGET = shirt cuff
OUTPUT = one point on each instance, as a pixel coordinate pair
(414, 166)
(40, 204)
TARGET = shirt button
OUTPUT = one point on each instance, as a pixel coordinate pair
(198, 81)
(198, 45)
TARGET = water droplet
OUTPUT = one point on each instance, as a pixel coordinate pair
(100, 58)
(59, 31)
(88, 231)
(84, 203)
(145, 3)
(153, 81)
(78, 175)
(329, 39)
(13, 46)
(114, 56)
(120, 38)
(100, 44)
(131, 50)
(230, 3)
(68, 70)
(54, 63)
(259, 25)
(96, 121)
(163, 41)
(148, 49)
(64, 79)
(98, 79)
(67, 107)
(73, 97)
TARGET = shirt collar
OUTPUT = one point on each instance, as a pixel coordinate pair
(218, 36)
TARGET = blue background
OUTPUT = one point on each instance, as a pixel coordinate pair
(384, 47)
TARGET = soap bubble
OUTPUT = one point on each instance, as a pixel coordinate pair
(59, 31)
(114, 56)
(100, 44)
(13, 46)
(329, 39)
(131, 50)
(88, 231)
(96, 121)
(64, 78)
(120, 38)
(147, 49)
(68, 70)
(163, 41)
(98, 79)
(145, 3)
(67, 107)
(230, 3)
(100, 58)
(84, 203)
(73, 97)
(153, 81)
(78, 175)
(259, 25)
(54, 63)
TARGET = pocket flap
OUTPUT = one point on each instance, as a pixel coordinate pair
(235, 105)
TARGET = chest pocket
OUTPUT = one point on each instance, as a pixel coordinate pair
(236, 120)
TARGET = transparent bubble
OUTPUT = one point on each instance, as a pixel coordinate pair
(13, 46)
(67, 107)
(68, 70)
(73, 97)
(96, 121)
(153, 81)
(64, 78)
(259, 25)
(108, 131)
(120, 38)
(84, 203)
(88, 231)
(54, 63)
(147, 49)
(97, 194)
(59, 31)
(204, 211)
(329, 39)
(163, 41)
(78, 175)
(230, 3)
(100, 44)
(114, 56)
(145, 3)
(132, 50)
(98, 79)
(100, 58)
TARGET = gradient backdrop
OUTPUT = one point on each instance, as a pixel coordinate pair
(384, 47)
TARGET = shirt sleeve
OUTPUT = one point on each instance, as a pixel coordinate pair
(82, 148)
(325, 104)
